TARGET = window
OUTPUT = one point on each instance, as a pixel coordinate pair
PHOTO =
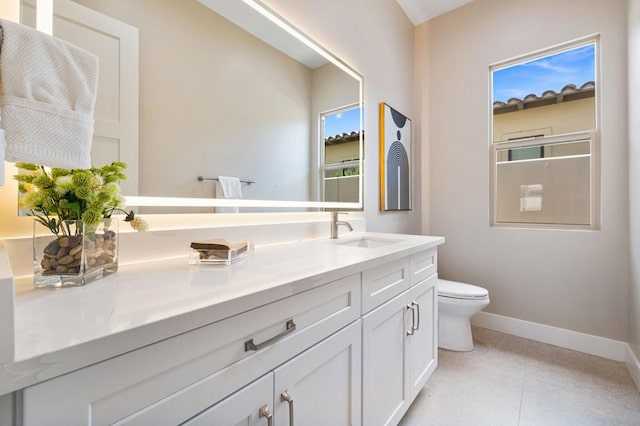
(544, 139)
(340, 170)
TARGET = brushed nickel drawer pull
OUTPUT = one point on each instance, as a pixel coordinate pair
(249, 345)
(418, 306)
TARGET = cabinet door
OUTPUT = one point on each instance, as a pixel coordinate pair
(400, 353)
(250, 406)
(421, 346)
(384, 391)
(322, 386)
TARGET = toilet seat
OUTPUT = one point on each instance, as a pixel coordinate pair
(456, 290)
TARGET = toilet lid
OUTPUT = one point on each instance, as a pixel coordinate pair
(461, 290)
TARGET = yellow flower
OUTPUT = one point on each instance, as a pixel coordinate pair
(97, 181)
(139, 224)
(31, 200)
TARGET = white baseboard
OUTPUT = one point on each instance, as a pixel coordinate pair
(595, 345)
(633, 365)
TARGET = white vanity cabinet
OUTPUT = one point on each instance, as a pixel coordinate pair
(353, 350)
(399, 343)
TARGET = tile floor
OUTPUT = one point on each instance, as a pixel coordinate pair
(508, 380)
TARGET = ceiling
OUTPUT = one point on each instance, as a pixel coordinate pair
(420, 11)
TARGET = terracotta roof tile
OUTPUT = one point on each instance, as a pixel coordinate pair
(568, 93)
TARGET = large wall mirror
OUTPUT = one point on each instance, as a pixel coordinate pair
(208, 88)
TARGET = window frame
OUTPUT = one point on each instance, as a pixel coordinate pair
(593, 135)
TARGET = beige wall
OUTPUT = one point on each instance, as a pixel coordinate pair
(10, 9)
(565, 117)
(633, 336)
(571, 279)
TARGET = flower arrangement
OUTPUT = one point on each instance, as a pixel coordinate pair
(57, 197)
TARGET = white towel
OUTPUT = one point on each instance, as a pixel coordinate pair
(228, 187)
(48, 97)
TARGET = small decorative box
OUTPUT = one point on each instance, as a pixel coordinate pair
(218, 251)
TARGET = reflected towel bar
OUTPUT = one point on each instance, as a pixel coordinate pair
(248, 182)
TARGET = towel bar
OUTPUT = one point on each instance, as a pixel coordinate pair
(201, 178)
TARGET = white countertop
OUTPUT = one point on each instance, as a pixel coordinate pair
(58, 331)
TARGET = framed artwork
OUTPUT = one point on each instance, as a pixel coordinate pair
(395, 160)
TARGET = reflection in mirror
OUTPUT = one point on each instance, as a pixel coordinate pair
(544, 122)
(340, 131)
(215, 99)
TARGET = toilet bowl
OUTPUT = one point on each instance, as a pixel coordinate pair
(457, 303)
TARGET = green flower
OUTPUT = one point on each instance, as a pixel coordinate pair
(82, 178)
(27, 166)
(91, 217)
(83, 192)
(59, 195)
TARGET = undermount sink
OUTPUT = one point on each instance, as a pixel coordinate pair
(369, 242)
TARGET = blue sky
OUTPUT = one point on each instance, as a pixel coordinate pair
(548, 73)
(342, 122)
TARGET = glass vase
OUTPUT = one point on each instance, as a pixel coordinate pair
(77, 255)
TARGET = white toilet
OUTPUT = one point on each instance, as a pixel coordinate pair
(457, 303)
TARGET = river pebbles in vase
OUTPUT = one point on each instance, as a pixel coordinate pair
(64, 254)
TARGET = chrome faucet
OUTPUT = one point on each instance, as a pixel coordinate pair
(335, 223)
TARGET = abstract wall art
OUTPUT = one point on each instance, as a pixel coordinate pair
(395, 159)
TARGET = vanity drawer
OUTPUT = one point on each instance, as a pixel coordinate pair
(423, 265)
(126, 389)
(383, 282)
